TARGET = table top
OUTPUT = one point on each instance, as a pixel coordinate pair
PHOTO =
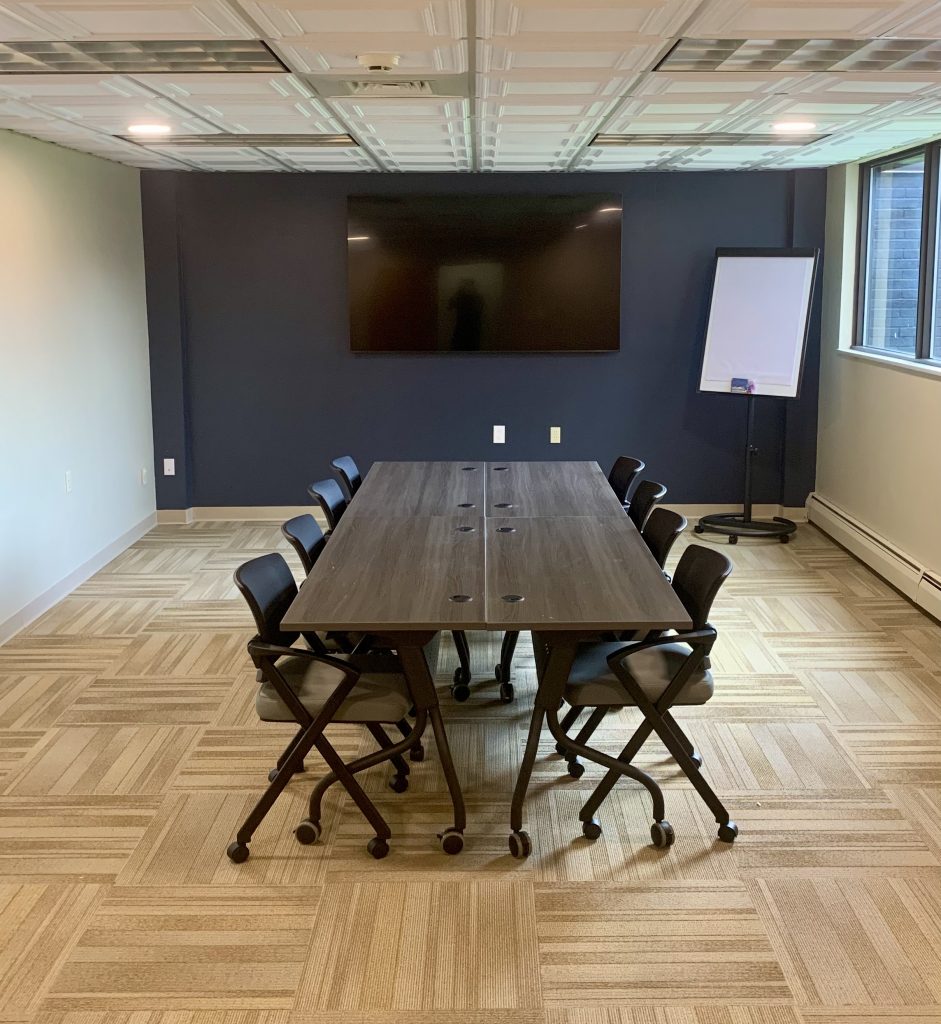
(414, 556)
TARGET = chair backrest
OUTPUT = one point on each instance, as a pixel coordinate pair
(660, 531)
(268, 586)
(700, 573)
(622, 476)
(648, 493)
(349, 473)
(306, 538)
(330, 498)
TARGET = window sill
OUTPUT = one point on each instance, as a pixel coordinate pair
(920, 367)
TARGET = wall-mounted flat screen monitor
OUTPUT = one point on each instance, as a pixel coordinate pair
(490, 273)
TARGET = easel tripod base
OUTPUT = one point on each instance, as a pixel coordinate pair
(737, 524)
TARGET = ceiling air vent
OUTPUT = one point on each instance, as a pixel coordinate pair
(804, 55)
(705, 139)
(385, 86)
(136, 57)
(222, 141)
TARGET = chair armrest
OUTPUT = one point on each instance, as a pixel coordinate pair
(266, 650)
(692, 637)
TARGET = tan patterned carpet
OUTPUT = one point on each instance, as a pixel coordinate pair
(129, 751)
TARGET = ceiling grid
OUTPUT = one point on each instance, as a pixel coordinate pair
(490, 85)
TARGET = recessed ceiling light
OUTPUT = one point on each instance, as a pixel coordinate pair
(149, 130)
(578, 227)
(794, 127)
(610, 209)
(357, 238)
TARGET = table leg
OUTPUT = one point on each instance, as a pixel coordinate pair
(548, 697)
(422, 686)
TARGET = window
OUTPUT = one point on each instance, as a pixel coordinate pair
(899, 294)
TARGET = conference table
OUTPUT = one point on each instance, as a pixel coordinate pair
(502, 546)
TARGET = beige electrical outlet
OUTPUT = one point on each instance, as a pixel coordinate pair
(555, 435)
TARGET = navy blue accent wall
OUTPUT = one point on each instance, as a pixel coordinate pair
(255, 389)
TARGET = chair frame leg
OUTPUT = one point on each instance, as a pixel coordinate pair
(315, 803)
(382, 738)
(658, 718)
(556, 665)
(507, 650)
(463, 651)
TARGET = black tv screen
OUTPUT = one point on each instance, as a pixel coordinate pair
(496, 273)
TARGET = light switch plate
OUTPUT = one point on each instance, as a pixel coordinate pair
(499, 434)
(68, 481)
(555, 435)
(169, 467)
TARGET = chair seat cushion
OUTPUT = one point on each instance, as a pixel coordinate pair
(379, 697)
(593, 684)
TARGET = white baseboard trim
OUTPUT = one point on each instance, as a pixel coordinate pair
(233, 513)
(278, 513)
(40, 605)
(174, 516)
(921, 584)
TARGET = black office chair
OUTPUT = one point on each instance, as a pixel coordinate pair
(306, 537)
(655, 674)
(346, 468)
(315, 690)
(648, 493)
(660, 531)
(662, 528)
(622, 476)
(327, 494)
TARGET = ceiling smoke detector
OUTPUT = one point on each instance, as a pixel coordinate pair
(378, 61)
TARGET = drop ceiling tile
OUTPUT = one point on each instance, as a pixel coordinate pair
(127, 19)
(247, 103)
(325, 36)
(610, 17)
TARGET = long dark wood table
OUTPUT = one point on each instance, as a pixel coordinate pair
(504, 546)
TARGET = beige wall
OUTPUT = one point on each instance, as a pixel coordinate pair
(74, 370)
(879, 435)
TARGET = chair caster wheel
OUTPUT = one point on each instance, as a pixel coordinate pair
(237, 852)
(728, 832)
(733, 539)
(398, 783)
(498, 673)
(520, 845)
(506, 693)
(662, 834)
(696, 758)
(699, 529)
(785, 538)
(452, 841)
(417, 753)
(461, 676)
(576, 769)
(591, 829)
(460, 692)
(378, 848)
(307, 832)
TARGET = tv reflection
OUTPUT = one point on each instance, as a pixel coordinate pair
(467, 305)
(469, 297)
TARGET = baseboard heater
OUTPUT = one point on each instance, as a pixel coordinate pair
(919, 584)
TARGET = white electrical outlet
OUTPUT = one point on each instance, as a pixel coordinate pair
(169, 467)
(555, 435)
(499, 434)
(68, 481)
(143, 476)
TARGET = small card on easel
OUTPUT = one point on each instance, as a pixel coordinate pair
(742, 386)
